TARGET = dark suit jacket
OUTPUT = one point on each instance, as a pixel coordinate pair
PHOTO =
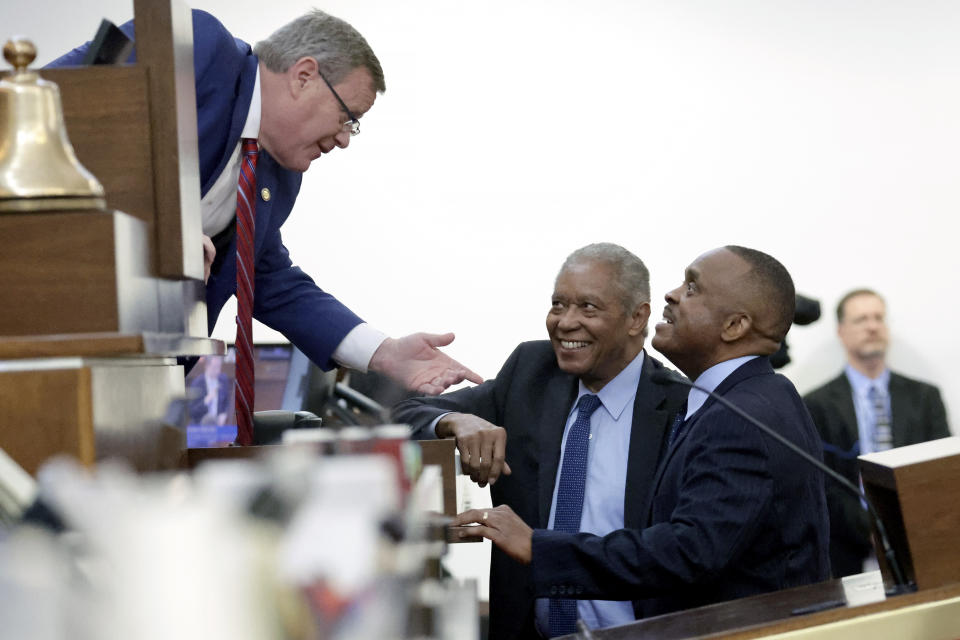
(286, 298)
(531, 398)
(917, 415)
(734, 513)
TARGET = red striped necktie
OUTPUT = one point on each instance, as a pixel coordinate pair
(246, 208)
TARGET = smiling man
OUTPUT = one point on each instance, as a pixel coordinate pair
(866, 408)
(733, 513)
(277, 107)
(575, 415)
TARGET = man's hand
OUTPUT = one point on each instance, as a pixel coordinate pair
(501, 526)
(417, 363)
(209, 253)
(482, 446)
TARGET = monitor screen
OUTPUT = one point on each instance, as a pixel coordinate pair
(279, 383)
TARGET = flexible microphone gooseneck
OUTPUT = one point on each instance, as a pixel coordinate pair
(665, 376)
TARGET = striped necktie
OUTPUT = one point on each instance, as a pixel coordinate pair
(566, 517)
(246, 208)
(882, 431)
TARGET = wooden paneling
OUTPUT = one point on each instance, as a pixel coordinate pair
(441, 452)
(57, 273)
(914, 490)
(106, 345)
(108, 123)
(164, 34)
(135, 128)
(43, 413)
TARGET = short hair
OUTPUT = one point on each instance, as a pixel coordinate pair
(773, 288)
(631, 277)
(854, 294)
(337, 47)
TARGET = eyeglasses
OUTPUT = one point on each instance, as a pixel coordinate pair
(353, 123)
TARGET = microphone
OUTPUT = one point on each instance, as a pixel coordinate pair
(666, 376)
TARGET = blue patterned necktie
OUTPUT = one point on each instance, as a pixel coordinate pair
(677, 424)
(882, 432)
(566, 517)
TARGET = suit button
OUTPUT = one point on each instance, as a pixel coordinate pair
(265, 194)
(553, 590)
(579, 590)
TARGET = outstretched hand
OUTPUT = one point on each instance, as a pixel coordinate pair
(503, 527)
(416, 362)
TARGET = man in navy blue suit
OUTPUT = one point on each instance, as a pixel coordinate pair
(732, 512)
(300, 94)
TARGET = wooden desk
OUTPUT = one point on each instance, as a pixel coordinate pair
(933, 614)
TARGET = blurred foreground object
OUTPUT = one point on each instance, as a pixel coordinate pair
(290, 544)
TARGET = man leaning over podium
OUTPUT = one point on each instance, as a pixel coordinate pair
(733, 513)
(298, 95)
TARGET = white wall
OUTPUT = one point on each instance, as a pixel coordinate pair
(824, 132)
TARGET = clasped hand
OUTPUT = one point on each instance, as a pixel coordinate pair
(482, 446)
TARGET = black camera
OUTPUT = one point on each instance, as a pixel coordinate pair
(807, 312)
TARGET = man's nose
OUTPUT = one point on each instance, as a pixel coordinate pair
(673, 296)
(570, 318)
(342, 139)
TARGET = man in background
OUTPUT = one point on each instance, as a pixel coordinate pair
(733, 512)
(575, 415)
(866, 408)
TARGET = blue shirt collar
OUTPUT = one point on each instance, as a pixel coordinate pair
(711, 379)
(618, 392)
(861, 384)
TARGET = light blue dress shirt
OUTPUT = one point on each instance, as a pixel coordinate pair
(866, 415)
(606, 483)
(711, 379)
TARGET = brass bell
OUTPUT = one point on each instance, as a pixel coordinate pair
(38, 168)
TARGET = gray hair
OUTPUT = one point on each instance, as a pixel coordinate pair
(631, 277)
(337, 47)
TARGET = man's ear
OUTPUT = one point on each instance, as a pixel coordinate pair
(735, 326)
(301, 74)
(639, 319)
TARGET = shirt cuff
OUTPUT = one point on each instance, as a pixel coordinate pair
(357, 347)
(430, 433)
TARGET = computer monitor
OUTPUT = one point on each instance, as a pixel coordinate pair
(279, 383)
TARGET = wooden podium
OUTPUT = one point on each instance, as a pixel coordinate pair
(915, 491)
(97, 304)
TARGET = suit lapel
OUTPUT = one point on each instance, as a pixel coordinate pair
(647, 439)
(842, 398)
(266, 180)
(902, 411)
(757, 366)
(558, 399)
